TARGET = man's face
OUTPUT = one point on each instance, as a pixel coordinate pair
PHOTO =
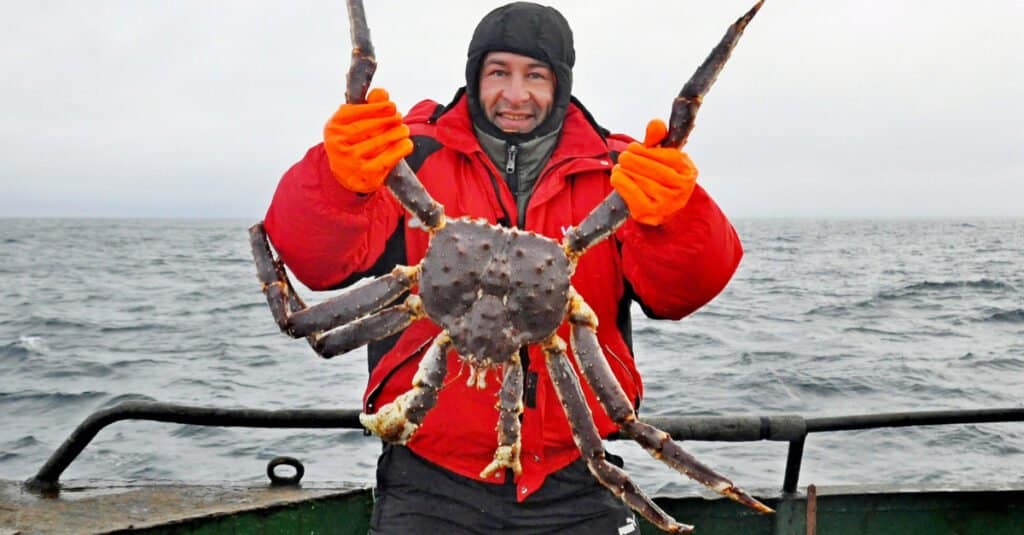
(516, 91)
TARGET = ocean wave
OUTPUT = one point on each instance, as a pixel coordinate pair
(27, 441)
(36, 402)
(138, 327)
(14, 450)
(1006, 316)
(138, 309)
(56, 324)
(927, 287)
(238, 308)
(25, 347)
(977, 438)
(79, 369)
(1003, 364)
(125, 397)
(198, 432)
(871, 330)
(835, 310)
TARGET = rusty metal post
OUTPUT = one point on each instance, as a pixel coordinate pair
(812, 510)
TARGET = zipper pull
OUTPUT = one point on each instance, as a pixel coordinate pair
(510, 161)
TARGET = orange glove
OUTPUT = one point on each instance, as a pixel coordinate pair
(365, 141)
(655, 181)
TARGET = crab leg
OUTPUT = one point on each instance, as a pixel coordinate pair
(353, 303)
(612, 211)
(588, 440)
(277, 287)
(613, 399)
(367, 329)
(300, 321)
(402, 181)
(397, 421)
(510, 406)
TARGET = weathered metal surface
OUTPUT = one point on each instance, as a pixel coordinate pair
(862, 510)
(345, 509)
(107, 507)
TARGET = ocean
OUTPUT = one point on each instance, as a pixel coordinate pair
(825, 317)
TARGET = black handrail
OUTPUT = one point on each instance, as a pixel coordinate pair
(889, 419)
(782, 428)
(47, 477)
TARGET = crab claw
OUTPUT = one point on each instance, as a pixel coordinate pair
(390, 422)
(504, 457)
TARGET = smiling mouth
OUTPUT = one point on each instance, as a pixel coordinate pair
(515, 116)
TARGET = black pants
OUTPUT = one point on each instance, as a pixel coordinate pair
(416, 496)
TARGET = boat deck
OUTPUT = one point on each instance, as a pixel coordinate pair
(113, 507)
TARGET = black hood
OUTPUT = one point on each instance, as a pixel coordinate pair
(528, 29)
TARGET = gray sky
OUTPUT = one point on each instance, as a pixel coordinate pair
(828, 108)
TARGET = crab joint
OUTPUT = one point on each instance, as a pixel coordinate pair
(580, 312)
(409, 276)
(554, 344)
(570, 250)
(414, 305)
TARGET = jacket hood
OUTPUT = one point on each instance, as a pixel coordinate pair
(528, 29)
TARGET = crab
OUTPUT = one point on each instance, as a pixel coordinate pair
(494, 290)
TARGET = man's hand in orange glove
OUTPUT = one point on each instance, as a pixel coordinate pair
(365, 141)
(655, 181)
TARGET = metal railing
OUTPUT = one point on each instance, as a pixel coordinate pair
(782, 428)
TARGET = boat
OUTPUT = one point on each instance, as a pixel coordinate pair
(285, 505)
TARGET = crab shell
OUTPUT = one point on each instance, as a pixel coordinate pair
(494, 289)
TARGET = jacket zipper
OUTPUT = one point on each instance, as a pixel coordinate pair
(511, 178)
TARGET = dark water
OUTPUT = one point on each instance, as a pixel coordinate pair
(825, 317)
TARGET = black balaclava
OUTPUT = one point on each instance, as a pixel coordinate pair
(529, 29)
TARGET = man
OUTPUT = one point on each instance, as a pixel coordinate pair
(513, 147)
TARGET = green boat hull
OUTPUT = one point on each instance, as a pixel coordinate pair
(345, 509)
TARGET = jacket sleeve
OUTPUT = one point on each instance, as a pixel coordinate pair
(323, 232)
(677, 267)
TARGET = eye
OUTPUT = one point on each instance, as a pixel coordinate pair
(537, 75)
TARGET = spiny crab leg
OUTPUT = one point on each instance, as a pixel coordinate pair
(369, 328)
(281, 296)
(396, 421)
(402, 181)
(354, 302)
(613, 399)
(588, 440)
(510, 407)
(612, 212)
(297, 320)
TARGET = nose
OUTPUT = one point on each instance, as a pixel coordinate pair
(516, 91)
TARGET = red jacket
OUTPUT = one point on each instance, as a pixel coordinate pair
(327, 234)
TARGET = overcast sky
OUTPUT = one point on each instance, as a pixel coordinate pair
(828, 108)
